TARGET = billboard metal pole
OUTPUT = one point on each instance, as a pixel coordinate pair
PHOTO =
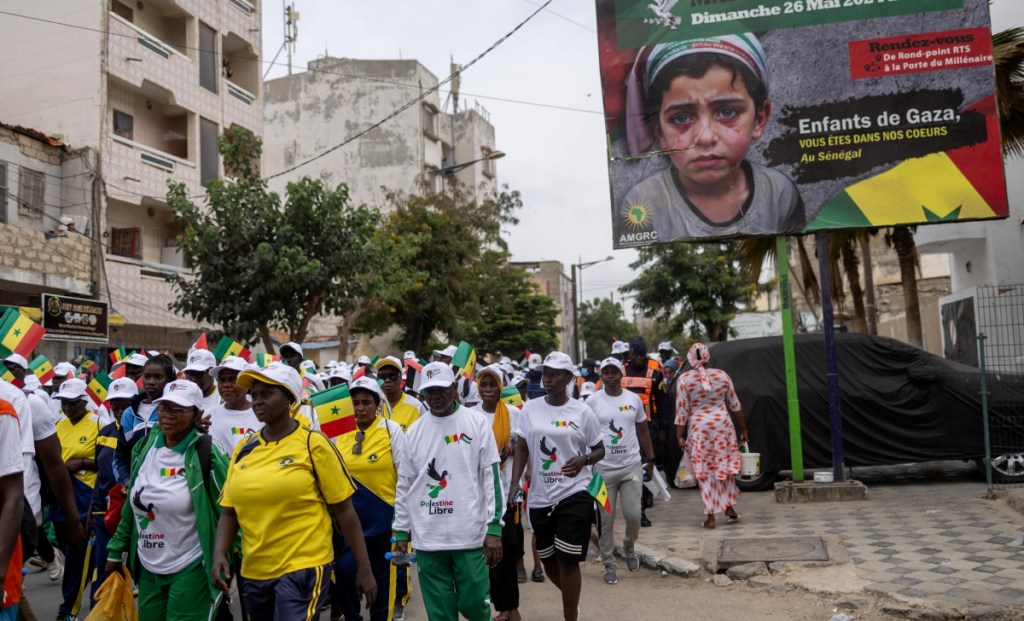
(831, 367)
(796, 449)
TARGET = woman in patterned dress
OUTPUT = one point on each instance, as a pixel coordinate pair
(704, 429)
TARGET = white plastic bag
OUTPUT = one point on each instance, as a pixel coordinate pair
(657, 485)
(684, 475)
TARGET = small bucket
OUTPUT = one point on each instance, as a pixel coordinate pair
(750, 463)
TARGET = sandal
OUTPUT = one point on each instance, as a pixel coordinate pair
(732, 515)
(709, 523)
(537, 575)
(521, 575)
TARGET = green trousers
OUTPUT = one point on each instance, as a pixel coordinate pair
(185, 596)
(454, 582)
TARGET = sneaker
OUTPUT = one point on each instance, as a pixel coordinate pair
(632, 562)
(609, 576)
(37, 562)
(55, 570)
(399, 613)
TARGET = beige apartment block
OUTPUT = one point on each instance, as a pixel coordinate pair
(147, 86)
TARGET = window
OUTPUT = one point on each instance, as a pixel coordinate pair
(429, 121)
(209, 156)
(126, 243)
(124, 124)
(209, 69)
(122, 10)
(30, 199)
(3, 193)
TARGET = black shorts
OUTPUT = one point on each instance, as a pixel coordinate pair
(563, 531)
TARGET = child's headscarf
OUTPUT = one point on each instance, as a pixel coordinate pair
(744, 47)
(698, 356)
(502, 425)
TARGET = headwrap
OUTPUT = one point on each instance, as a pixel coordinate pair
(502, 425)
(744, 47)
(698, 357)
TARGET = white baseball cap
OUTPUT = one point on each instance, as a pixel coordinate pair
(363, 360)
(341, 373)
(136, 360)
(63, 368)
(559, 360)
(496, 371)
(182, 392)
(31, 383)
(71, 390)
(276, 373)
(437, 375)
(613, 362)
(518, 379)
(367, 384)
(230, 363)
(666, 346)
(588, 388)
(17, 359)
(201, 360)
(409, 355)
(122, 388)
(447, 351)
(534, 361)
(620, 347)
(290, 345)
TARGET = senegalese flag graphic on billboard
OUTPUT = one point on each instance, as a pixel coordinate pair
(465, 359)
(511, 396)
(97, 388)
(230, 347)
(334, 409)
(599, 491)
(19, 334)
(7, 376)
(118, 355)
(42, 369)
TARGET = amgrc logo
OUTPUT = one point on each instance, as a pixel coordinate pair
(459, 437)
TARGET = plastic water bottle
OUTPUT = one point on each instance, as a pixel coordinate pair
(400, 558)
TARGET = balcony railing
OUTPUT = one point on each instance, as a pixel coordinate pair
(154, 157)
(150, 42)
(240, 93)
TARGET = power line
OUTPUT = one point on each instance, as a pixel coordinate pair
(415, 100)
(568, 19)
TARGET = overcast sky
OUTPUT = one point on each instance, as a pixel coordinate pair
(555, 157)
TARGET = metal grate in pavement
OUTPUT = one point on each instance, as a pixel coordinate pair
(749, 550)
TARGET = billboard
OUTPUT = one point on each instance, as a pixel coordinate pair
(75, 319)
(736, 118)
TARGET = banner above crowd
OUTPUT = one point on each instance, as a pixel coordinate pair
(737, 118)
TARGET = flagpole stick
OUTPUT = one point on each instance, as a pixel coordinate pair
(796, 452)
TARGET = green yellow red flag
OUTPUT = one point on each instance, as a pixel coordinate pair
(97, 387)
(230, 347)
(599, 491)
(465, 359)
(334, 410)
(19, 334)
(42, 369)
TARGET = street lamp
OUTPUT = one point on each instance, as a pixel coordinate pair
(448, 171)
(579, 267)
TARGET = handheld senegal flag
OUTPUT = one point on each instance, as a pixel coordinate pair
(511, 396)
(19, 334)
(334, 409)
(97, 388)
(201, 342)
(42, 369)
(599, 491)
(118, 355)
(465, 359)
(7, 376)
(262, 360)
(230, 347)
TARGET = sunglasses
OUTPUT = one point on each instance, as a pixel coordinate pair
(357, 448)
(177, 412)
(389, 377)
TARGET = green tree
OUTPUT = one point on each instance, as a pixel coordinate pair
(513, 315)
(260, 264)
(692, 286)
(601, 321)
(450, 241)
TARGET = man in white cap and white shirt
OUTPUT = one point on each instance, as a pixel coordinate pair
(233, 420)
(448, 502)
(291, 354)
(197, 371)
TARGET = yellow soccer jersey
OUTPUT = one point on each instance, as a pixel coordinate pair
(280, 501)
(78, 441)
(376, 466)
(405, 413)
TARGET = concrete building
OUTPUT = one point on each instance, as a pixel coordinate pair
(146, 87)
(337, 99)
(551, 281)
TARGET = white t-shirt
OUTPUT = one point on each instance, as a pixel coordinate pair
(162, 507)
(506, 472)
(210, 401)
(447, 493)
(229, 427)
(618, 417)
(11, 461)
(39, 426)
(553, 435)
